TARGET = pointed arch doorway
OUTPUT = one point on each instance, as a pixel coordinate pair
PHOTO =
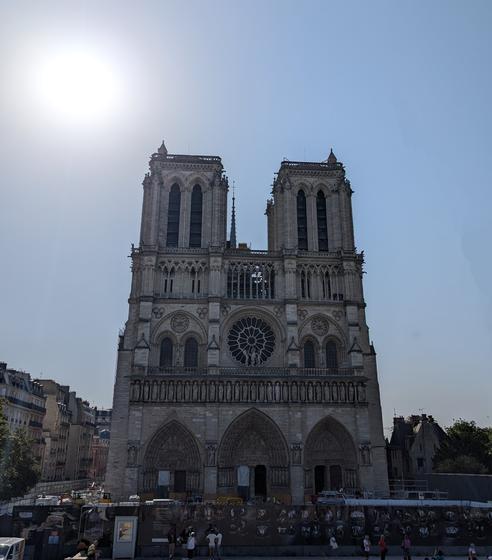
(253, 458)
(172, 463)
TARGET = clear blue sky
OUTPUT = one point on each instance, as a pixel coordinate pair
(402, 92)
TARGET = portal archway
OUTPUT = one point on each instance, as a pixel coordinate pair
(330, 458)
(253, 457)
(172, 460)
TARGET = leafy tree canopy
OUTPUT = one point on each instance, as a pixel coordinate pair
(19, 471)
(467, 449)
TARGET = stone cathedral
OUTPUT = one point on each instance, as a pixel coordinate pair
(243, 372)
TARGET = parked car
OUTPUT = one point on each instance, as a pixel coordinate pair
(11, 548)
(330, 497)
(44, 500)
(163, 502)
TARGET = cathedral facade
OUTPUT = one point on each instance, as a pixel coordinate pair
(243, 372)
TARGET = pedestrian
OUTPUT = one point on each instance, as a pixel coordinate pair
(439, 555)
(92, 551)
(405, 546)
(333, 544)
(218, 543)
(171, 539)
(472, 552)
(185, 533)
(366, 546)
(190, 545)
(383, 548)
(210, 537)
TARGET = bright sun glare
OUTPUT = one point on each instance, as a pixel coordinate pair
(77, 86)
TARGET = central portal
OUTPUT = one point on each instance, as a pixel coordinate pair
(253, 447)
(261, 481)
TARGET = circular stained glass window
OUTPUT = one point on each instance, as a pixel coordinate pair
(251, 341)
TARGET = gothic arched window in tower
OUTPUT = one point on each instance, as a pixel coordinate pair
(301, 221)
(196, 217)
(166, 357)
(322, 223)
(331, 355)
(173, 216)
(309, 355)
(191, 353)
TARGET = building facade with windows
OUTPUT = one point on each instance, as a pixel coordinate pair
(414, 443)
(56, 429)
(100, 444)
(244, 372)
(79, 447)
(24, 405)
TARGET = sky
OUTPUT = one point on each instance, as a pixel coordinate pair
(400, 90)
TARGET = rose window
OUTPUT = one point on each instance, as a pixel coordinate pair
(251, 341)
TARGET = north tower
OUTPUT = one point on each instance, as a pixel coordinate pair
(244, 372)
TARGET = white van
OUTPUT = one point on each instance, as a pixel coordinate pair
(11, 548)
(47, 500)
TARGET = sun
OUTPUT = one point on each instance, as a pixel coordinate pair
(76, 85)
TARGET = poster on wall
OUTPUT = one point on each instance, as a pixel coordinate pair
(125, 531)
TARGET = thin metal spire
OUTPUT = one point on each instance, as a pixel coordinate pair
(232, 237)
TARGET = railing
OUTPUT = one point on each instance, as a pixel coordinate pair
(177, 370)
(311, 165)
(254, 371)
(183, 158)
(248, 252)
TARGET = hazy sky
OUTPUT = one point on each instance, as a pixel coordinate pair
(402, 91)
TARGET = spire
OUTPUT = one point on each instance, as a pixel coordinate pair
(232, 238)
(162, 150)
(332, 157)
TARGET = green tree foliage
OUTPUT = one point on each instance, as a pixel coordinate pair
(467, 449)
(19, 471)
(4, 429)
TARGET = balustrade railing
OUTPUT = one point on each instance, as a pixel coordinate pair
(251, 371)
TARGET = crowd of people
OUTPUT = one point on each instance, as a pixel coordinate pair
(187, 539)
(406, 544)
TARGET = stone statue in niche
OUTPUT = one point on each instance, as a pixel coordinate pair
(365, 454)
(211, 450)
(296, 450)
(132, 455)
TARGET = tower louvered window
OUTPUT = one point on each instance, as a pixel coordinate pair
(322, 222)
(196, 217)
(166, 357)
(173, 216)
(301, 221)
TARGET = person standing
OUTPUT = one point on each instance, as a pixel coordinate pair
(472, 552)
(383, 548)
(210, 538)
(218, 543)
(171, 539)
(333, 544)
(190, 545)
(405, 545)
(366, 546)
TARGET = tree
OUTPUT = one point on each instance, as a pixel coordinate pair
(466, 449)
(19, 470)
(4, 430)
